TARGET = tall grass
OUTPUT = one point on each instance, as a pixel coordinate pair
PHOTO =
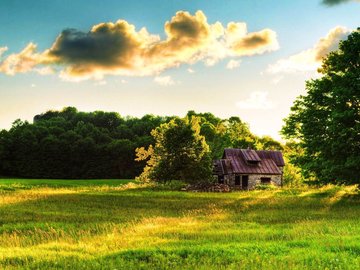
(124, 226)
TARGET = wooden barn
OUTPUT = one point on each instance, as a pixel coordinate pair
(246, 168)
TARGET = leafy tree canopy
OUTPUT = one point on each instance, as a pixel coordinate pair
(326, 121)
(180, 153)
(73, 144)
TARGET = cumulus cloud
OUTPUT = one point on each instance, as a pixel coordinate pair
(119, 49)
(243, 43)
(21, 62)
(233, 64)
(256, 101)
(2, 50)
(310, 59)
(45, 70)
(164, 80)
(337, 2)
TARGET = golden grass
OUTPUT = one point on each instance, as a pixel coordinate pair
(131, 227)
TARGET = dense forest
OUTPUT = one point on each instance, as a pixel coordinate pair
(73, 144)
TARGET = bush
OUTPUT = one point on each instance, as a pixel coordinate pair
(171, 185)
(265, 187)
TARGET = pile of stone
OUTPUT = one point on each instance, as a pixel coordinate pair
(208, 188)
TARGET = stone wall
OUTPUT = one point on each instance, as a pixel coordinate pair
(256, 179)
(253, 180)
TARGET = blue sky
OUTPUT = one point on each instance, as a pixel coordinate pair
(259, 85)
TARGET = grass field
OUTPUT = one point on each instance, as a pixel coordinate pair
(114, 224)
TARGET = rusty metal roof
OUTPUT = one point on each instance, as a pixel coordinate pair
(250, 155)
(276, 156)
(235, 161)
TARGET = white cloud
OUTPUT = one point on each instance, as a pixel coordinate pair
(2, 50)
(21, 62)
(164, 80)
(45, 70)
(243, 43)
(310, 59)
(33, 85)
(233, 64)
(190, 70)
(257, 101)
(118, 48)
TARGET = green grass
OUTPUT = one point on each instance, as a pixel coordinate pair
(114, 224)
(28, 183)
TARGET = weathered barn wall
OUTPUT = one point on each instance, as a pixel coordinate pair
(275, 179)
(254, 179)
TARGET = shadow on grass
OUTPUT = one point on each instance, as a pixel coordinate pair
(122, 206)
(348, 201)
(215, 241)
(82, 209)
(207, 257)
(16, 184)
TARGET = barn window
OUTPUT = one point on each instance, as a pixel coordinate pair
(265, 180)
(253, 162)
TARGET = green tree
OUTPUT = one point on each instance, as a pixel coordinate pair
(292, 174)
(214, 130)
(72, 144)
(268, 143)
(326, 121)
(179, 153)
(238, 134)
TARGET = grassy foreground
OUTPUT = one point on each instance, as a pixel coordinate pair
(109, 224)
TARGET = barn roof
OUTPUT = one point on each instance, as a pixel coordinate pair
(222, 166)
(250, 155)
(247, 161)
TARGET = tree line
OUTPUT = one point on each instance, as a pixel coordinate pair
(71, 144)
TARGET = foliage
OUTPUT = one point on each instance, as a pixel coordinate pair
(72, 144)
(326, 121)
(179, 152)
(174, 185)
(230, 133)
(292, 174)
(265, 187)
(104, 225)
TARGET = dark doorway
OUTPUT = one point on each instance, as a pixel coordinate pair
(221, 179)
(245, 181)
(265, 180)
(237, 180)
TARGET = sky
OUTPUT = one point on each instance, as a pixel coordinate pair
(247, 58)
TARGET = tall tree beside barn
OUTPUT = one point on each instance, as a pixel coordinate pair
(179, 153)
(326, 121)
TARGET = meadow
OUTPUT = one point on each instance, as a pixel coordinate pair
(118, 224)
